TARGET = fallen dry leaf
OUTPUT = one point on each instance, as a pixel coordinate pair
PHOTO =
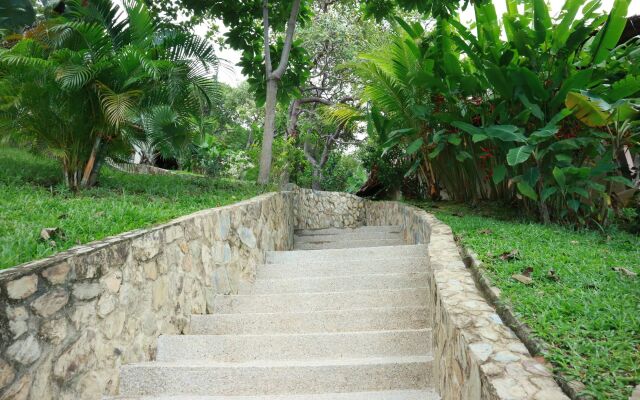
(522, 279)
(553, 275)
(47, 234)
(486, 232)
(527, 272)
(625, 271)
(574, 242)
(510, 255)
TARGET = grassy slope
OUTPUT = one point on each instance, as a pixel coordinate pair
(31, 198)
(590, 317)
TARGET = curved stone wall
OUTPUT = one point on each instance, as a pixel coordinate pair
(477, 356)
(68, 322)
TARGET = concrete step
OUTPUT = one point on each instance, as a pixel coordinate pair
(348, 236)
(364, 319)
(343, 231)
(340, 283)
(300, 302)
(277, 377)
(316, 268)
(342, 255)
(348, 244)
(386, 395)
(240, 348)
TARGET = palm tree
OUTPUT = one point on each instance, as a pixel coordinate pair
(99, 79)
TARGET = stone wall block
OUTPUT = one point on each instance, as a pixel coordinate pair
(57, 274)
(147, 246)
(50, 303)
(7, 373)
(76, 358)
(25, 351)
(22, 288)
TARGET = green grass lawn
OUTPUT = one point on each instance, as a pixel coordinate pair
(589, 317)
(32, 198)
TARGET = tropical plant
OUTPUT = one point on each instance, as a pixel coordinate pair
(15, 15)
(489, 118)
(100, 79)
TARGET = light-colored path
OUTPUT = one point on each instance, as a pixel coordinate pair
(341, 317)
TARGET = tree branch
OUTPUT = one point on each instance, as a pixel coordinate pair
(267, 45)
(288, 41)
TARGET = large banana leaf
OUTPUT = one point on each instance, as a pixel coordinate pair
(592, 111)
(16, 14)
(608, 37)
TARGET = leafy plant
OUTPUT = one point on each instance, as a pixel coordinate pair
(102, 78)
(539, 117)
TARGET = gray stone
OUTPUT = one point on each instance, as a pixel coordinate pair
(505, 357)
(54, 330)
(49, 304)
(18, 328)
(7, 373)
(173, 233)
(247, 237)
(23, 287)
(224, 226)
(113, 281)
(19, 390)
(86, 291)
(481, 350)
(57, 274)
(25, 351)
(78, 357)
(147, 246)
(106, 305)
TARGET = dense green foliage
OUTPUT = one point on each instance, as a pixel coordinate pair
(100, 79)
(34, 197)
(586, 312)
(537, 113)
(16, 14)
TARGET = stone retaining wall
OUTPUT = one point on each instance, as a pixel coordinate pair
(68, 322)
(476, 355)
(318, 210)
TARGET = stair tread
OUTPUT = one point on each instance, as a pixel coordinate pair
(383, 395)
(325, 362)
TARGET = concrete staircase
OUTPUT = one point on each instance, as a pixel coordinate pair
(341, 317)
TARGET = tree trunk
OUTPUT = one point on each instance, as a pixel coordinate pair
(273, 79)
(88, 169)
(269, 131)
(316, 182)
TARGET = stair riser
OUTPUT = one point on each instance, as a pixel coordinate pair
(348, 236)
(294, 347)
(327, 321)
(342, 255)
(311, 269)
(320, 301)
(343, 231)
(385, 395)
(339, 284)
(348, 244)
(153, 380)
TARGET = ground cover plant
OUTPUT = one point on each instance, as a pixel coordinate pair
(578, 304)
(33, 197)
